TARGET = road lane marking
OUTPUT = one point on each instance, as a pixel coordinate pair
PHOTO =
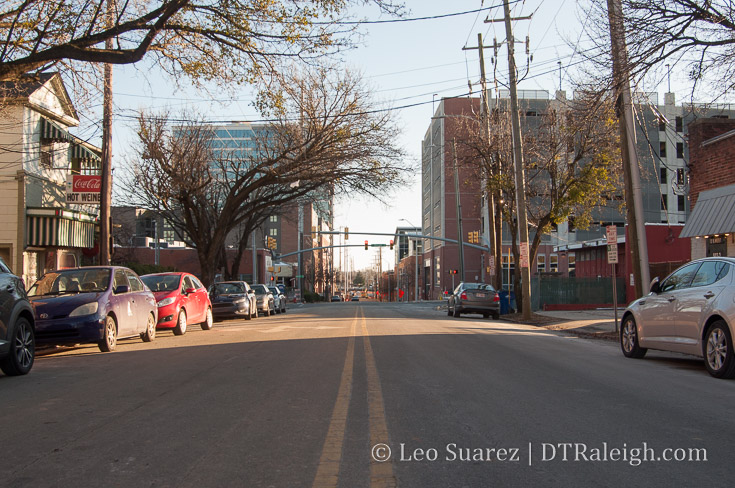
(327, 474)
(381, 474)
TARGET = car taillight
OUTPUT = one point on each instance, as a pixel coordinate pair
(497, 298)
(463, 296)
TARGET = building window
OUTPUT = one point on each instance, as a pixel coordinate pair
(554, 263)
(680, 150)
(508, 268)
(681, 203)
(572, 264)
(47, 158)
(541, 263)
(664, 176)
(438, 270)
(274, 218)
(662, 149)
(679, 124)
(661, 124)
(664, 205)
(274, 232)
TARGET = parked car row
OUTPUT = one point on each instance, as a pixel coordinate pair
(101, 304)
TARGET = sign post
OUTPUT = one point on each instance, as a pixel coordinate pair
(612, 258)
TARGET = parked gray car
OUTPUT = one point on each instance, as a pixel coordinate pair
(279, 299)
(266, 301)
(474, 298)
(17, 338)
(692, 311)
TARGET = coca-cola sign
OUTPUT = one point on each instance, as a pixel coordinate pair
(83, 189)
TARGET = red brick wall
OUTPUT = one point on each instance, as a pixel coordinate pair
(713, 165)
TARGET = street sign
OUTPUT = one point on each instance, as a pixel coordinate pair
(524, 255)
(612, 254)
(612, 244)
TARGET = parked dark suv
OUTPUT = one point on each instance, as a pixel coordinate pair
(17, 341)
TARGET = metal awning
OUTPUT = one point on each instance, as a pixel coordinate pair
(714, 213)
(59, 228)
(50, 131)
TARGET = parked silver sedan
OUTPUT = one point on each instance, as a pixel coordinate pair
(279, 299)
(474, 298)
(692, 311)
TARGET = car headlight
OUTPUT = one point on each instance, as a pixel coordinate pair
(87, 309)
(166, 301)
(240, 300)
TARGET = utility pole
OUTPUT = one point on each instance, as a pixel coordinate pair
(496, 244)
(459, 214)
(520, 179)
(631, 172)
(106, 170)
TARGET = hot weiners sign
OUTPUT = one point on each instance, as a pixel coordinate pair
(83, 189)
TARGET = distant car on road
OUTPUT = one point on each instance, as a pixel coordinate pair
(266, 302)
(182, 299)
(336, 298)
(233, 298)
(93, 304)
(17, 340)
(279, 299)
(474, 298)
(691, 311)
(355, 298)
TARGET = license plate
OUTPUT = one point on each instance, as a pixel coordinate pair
(480, 295)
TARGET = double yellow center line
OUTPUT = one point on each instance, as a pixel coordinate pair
(381, 474)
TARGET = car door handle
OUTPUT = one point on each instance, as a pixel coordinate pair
(709, 294)
(671, 299)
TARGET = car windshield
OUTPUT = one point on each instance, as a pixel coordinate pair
(228, 288)
(162, 282)
(274, 290)
(260, 289)
(72, 281)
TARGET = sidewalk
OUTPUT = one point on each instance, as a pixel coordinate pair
(599, 323)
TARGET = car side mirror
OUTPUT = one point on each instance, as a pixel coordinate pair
(251, 292)
(655, 285)
(188, 291)
(121, 289)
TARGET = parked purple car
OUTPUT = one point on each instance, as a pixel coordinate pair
(94, 304)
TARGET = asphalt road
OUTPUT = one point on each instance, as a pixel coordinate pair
(302, 399)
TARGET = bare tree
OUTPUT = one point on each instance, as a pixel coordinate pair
(337, 141)
(228, 40)
(572, 166)
(694, 37)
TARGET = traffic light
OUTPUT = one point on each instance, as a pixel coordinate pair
(470, 237)
(272, 243)
(391, 244)
(477, 236)
(272, 278)
(347, 233)
(366, 245)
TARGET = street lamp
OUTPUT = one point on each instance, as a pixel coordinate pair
(415, 262)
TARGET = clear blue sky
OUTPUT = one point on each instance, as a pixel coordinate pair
(406, 63)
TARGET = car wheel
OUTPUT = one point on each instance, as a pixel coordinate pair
(150, 329)
(254, 308)
(276, 310)
(718, 351)
(283, 307)
(449, 311)
(629, 339)
(180, 328)
(486, 316)
(266, 311)
(249, 315)
(208, 321)
(455, 311)
(19, 360)
(109, 339)
(496, 316)
(273, 308)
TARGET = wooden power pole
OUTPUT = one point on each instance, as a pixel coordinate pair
(105, 243)
(631, 172)
(520, 179)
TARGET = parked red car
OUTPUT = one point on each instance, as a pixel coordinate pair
(182, 300)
